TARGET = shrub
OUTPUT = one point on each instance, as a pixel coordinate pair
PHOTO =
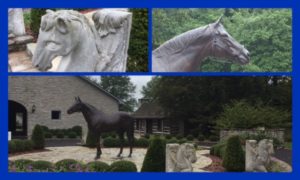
(110, 134)
(28, 145)
(91, 140)
(182, 140)
(200, 137)
(42, 166)
(38, 137)
(72, 135)
(172, 140)
(138, 47)
(97, 166)
(36, 15)
(18, 145)
(142, 142)
(154, 160)
(12, 148)
(77, 130)
(60, 135)
(123, 166)
(48, 135)
(68, 165)
(179, 136)
(190, 137)
(234, 156)
(213, 138)
(23, 164)
(147, 136)
(45, 128)
(111, 142)
(168, 136)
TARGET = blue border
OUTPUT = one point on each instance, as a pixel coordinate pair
(148, 4)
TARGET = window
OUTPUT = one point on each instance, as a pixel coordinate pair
(55, 115)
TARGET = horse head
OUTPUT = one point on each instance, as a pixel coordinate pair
(76, 107)
(60, 33)
(225, 46)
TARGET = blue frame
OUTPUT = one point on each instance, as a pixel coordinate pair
(293, 4)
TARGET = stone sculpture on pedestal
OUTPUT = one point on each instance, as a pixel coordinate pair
(258, 155)
(179, 158)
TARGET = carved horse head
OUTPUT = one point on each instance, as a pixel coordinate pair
(186, 51)
(68, 34)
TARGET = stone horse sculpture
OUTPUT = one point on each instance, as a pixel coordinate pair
(83, 47)
(99, 122)
(186, 52)
(179, 158)
(258, 156)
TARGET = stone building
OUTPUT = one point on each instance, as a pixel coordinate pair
(44, 100)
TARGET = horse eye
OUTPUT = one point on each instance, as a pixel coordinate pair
(43, 25)
(62, 26)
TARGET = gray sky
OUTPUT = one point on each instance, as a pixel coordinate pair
(139, 81)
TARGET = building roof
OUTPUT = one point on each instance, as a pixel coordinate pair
(149, 110)
(100, 88)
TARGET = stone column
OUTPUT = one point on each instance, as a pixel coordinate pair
(16, 21)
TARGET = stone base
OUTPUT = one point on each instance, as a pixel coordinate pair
(18, 43)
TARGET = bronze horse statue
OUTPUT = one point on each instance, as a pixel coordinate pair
(186, 52)
(99, 122)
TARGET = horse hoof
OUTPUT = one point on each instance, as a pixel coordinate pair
(129, 155)
(97, 157)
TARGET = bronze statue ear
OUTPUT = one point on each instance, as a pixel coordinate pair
(62, 25)
(78, 98)
(75, 98)
(218, 22)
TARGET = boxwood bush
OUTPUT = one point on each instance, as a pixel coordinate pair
(38, 137)
(68, 165)
(18, 145)
(234, 155)
(123, 166)
(154, 160)
(97, 166)
(42, 166)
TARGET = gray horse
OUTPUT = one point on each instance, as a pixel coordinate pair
(186, 52)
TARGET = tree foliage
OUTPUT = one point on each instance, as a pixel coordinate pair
(200, 101)
(266, 33)
(138, 45)
(122, 88)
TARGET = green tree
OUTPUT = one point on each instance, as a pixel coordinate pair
(122, 88)
(138, 45)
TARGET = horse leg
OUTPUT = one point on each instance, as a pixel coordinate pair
(99, 152)
(130, 137)
(121, 137)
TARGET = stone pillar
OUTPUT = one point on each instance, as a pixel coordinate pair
(16, 22)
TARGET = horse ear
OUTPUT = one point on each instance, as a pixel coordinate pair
(62, 25)
(75, 98)
(79, 100)
(218, 22)
(49, 11)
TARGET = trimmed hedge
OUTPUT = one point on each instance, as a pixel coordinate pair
(38, 137)
(123, 166)
(68, 165)
(22, 164)
(154, 160)
(97, 166)
(18, 145)
(234, 155)
(42, 166)
(72, 135)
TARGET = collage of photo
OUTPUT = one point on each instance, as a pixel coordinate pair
(150, 90)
